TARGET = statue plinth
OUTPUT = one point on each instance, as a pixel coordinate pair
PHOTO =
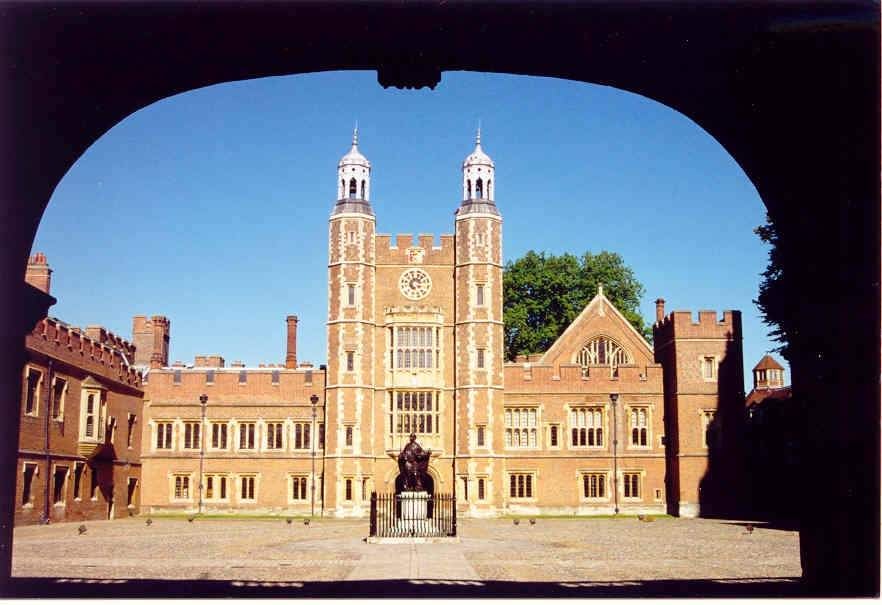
(414, 511)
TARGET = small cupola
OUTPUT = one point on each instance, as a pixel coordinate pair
(354, 174)
(478, 170)
(768, 374)
(353, 182)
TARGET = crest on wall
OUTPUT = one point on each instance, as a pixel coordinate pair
(415, 255)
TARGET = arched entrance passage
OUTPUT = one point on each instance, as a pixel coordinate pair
(790, 90)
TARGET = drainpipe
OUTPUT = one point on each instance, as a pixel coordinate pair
(613, 399)
(203, 399)
(324, 370)
(46, 444)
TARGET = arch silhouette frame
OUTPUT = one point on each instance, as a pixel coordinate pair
(791, 91)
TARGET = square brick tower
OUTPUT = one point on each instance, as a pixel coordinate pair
(704, 398)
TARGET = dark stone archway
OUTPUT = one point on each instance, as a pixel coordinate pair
(791, 90)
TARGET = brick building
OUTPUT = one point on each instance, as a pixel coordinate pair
(80, 440)
(602, 422)
(254, 444)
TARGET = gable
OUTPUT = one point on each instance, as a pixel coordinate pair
(599, 318)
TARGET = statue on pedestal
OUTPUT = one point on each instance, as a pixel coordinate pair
(413, 464)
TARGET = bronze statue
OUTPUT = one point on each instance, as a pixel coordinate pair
(413, 464)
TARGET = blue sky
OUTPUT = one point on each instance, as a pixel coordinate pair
(211, 207)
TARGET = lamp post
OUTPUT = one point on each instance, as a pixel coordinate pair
(313, 399)
(203, 399)
(613, 399)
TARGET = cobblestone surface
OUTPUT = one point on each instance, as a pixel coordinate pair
(562, 550)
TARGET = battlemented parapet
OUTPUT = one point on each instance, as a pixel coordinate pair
(112, 340)
(708, 325)
(405, 250)
(530, 377)
(95, 350)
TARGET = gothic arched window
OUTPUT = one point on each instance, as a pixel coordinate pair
(469, 189)
(353, 191)
(479, 189)
(342, 187)
(602, 351)
(362, 191)
(489, 195)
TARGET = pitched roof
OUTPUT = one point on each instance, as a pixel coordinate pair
(599, 299)
(760, 395)
(768, 363)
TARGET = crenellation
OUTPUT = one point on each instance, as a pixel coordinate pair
(400, 253)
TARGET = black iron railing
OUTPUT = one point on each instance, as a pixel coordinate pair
(412, 515)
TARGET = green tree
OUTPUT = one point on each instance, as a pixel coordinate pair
(543, 294)
(773, 300)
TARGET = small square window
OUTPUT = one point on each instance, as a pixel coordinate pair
(177, 377)
(209, 376)
(480, 359)
(243, 376)
(479, 295)
(349, 431)
(350, 361)
(350, 295)
(480, 436)
(709, 368)
(276, 375)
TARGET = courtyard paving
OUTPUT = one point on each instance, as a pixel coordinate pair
(563, 551)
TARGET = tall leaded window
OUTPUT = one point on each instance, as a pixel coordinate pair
(631, 485)
(219, 435)
(164, 435)
(247, 431)
(520, 485)
(274, 435)
(602, 351)
(639, 423)
(521, 427)
(414, 412)
(586, 426)
(301, 435)
(192, 437)
(415, 347)
(33, 388)
(594, 485)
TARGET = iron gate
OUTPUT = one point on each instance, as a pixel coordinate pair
(412, 515)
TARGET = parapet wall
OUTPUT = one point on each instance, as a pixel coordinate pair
(682, 324)
(108, 358)
(389, 253)
(569, 378)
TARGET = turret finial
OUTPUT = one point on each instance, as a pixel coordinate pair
(478, 137)
(355, 134)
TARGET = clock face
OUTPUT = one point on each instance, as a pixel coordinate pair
(415, 284)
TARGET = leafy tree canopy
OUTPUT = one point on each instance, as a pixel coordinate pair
(543, 294)
(773, 301)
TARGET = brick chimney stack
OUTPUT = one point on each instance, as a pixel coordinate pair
(291, 355)
(161, 329)
(38, 273)
(659, 309)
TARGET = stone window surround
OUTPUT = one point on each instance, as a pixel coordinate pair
(173, 484)
(604, 425)
(533, 474)
(641, 477)
(715, 368)
(628, 408)
(63, 397)
(38, 389)
(607, 487)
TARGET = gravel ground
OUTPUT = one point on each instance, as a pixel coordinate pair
(561, 550)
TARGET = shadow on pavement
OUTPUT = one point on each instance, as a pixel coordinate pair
(720, 587)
